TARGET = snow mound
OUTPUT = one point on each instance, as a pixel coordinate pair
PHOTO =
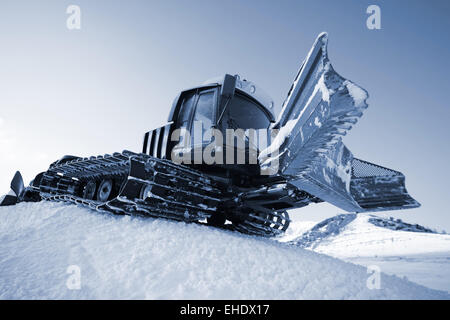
(135, 258)
(347, 235)
(324, 230)
(296, 228)
(396, 247)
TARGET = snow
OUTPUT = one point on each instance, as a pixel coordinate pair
(358, 94)
(317, 122)
(342, 171)
(428, 269)
(136, 258)
(297, 228)
(281, 136)
(361, 238)
(422, 257)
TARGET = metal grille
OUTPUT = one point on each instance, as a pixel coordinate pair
(361, 168)
(155, 142)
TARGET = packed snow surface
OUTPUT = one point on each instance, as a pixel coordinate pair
(396, 247)
(137, 258)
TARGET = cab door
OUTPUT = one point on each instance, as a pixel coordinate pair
(196, 116)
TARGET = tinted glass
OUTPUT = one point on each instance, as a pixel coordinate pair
(185, 111)
(204, 110)
(242, 113)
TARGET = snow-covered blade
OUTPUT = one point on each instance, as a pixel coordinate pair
(320, 108)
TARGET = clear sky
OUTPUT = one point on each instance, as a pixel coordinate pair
(98, 89)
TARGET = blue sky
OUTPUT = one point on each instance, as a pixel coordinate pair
(98, 89)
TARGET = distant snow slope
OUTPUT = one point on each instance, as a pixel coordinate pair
(395, 246)
(125, 257)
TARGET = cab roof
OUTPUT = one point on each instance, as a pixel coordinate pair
(247, 87)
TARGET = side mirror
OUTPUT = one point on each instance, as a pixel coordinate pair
(226, 94)
(228, 87)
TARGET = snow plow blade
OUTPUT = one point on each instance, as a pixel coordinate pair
(376, 188)
(320, 108)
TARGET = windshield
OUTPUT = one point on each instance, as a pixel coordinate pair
(243, 113)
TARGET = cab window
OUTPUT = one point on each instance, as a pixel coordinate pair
(185, 111)
(204, 109)
(202, 120)
(243, 113)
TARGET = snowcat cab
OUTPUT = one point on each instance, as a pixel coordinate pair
(221, 104)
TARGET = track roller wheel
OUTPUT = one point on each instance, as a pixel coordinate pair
(89, 190)
(104, 190)
(146, 191)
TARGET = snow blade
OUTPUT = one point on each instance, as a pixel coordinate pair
(355, 185)
(376, 188)
(320, 108)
